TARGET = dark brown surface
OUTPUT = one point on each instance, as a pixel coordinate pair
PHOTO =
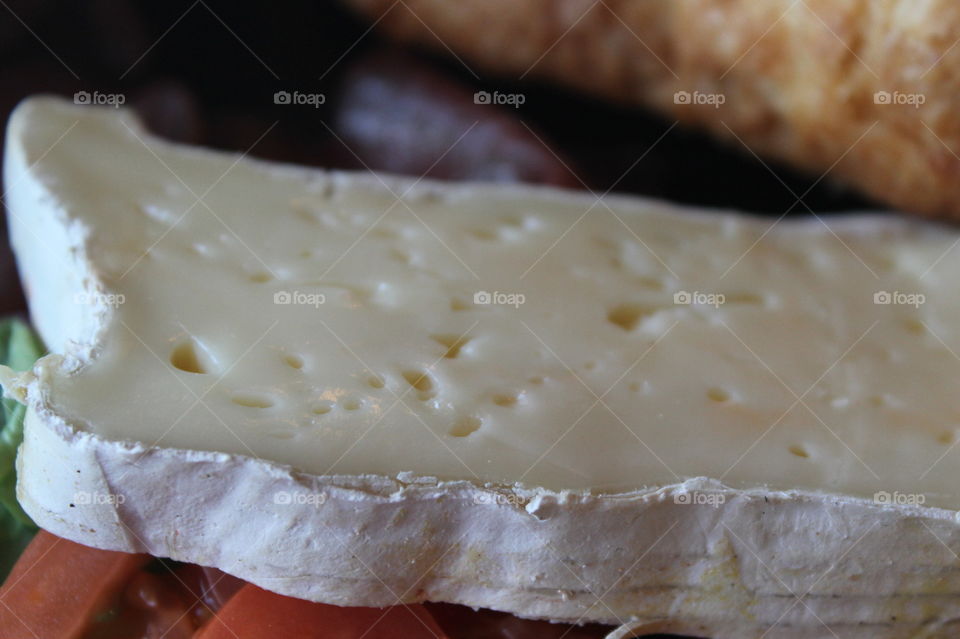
(460, 622)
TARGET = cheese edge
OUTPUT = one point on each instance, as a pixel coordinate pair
(59, 456)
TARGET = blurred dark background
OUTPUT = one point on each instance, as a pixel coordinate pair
(208, 72)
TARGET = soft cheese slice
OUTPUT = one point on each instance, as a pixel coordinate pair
(387, 360)
(279, 371)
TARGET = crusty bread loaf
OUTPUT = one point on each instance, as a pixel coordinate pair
(865, 90)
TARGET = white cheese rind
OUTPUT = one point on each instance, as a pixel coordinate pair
(639, 559)
(733, 566)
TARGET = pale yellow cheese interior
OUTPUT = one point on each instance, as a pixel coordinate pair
(601, 379)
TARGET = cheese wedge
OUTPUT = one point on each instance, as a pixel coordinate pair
(363, 389)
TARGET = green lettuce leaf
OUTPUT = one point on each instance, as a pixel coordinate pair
(19, 349)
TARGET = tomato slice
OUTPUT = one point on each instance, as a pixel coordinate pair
(153, 605)
(63, 590)
(219, 586)
(206, 590)
(58, 587)
(254, 613)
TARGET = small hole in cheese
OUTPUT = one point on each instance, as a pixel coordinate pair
(252, 400)
(322, 408)
(914, 326)
(421, 382)
(383, 232)
(400, 255)
(505, 399)
(293, 361)
(187, 358)
(352, 403)
(453, 343)
(260, 277)
(457, 304)
(799, 451)
(465, 426)
(375, 381)
(484, 234)
(718, 395)
(627, 316)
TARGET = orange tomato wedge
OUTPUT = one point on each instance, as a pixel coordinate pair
(58, 587)
(254, 613)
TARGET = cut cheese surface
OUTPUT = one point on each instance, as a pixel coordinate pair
(350, 324)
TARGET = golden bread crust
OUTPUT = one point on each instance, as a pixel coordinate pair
(798, 78)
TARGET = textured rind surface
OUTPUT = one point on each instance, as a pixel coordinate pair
(638, 559)
(798, 78)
